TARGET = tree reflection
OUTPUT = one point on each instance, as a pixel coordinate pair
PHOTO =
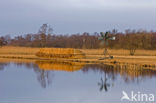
(130, 73)
(2, 65)
(44, 77)
(47, 67)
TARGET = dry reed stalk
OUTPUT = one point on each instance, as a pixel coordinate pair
(59, 53)
(18, 50)
(122, 52)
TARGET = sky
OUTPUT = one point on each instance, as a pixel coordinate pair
(19, 17)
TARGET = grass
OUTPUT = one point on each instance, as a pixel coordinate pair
(18, 50)
(59, 53)
(119, 52)
(33, 51)
(92, 55)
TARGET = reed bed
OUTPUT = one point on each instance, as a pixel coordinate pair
(32, 51)
(11, 50)
(121, 52)
(59, 53)
(86, 55)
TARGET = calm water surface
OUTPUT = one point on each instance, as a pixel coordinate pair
(48, 82)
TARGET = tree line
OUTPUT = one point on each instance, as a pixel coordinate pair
(130, 39)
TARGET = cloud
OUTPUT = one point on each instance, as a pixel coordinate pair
(81, 15)
(84, 4)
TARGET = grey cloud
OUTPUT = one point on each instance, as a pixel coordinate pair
(65, 16)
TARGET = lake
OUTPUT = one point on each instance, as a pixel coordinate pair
(55, 82)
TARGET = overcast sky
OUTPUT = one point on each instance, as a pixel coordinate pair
(73, 16)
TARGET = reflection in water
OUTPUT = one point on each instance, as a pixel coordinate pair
(129, 72)
(46, 67)
(103, 84)
(44, 77)
(2, 65)
(59, 66)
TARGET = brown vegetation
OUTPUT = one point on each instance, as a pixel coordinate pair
(91, 55)
(14, 50)
(130, 40)
(60, 66)
(28, 51)
(119, 52)
(60, 53)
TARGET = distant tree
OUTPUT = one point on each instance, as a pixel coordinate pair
(43, 32)
(153, 41)
(133, 42)
(45, 29)
(130, 39)
(2, 41)
(7, 39)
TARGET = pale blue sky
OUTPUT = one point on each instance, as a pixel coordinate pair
(73, 16)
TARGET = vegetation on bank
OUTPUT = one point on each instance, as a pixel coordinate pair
(129, 40)
(14, 50)
(60, 53)
(142, 57)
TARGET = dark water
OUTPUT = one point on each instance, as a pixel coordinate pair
(49, 82)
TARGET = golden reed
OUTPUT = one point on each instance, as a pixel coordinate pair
(60, 53)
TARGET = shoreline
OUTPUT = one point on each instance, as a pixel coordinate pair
(142, 57)
(148, 61)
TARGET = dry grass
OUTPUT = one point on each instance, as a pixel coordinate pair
(33, 51)
(92, 55)
(121, 52)
(8, 60)
(59, 53)
(18, 50)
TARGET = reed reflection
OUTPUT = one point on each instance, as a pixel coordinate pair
(129, 72)
(59, 66)
(47, 67)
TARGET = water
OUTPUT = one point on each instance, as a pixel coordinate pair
(54, 82)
